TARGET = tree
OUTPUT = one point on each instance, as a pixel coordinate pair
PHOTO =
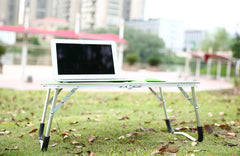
(206, 43)
(235, 47)
(2, 52)
(145, 45)
(220, 41)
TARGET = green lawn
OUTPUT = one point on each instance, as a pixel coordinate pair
(119, 123)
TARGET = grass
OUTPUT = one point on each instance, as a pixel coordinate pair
(98, 114)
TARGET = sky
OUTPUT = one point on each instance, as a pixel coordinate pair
(197, 14)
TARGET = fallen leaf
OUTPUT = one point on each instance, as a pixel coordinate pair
(222, 119)
(92, 138)
(20, 136)
(78, 147)
(161, 150)
(133, 133)
(193, 144)
(33, 130)
(222, 113)
(77, 135)
(75, 122)
(54, 130)
(229, 144)
(53, 144)
(146, 129)
(121, 137)
(172, 149)
(231, 123)
(106, 138)
(225, 127)
(124, 118)
(132, 140)
(210, 114)
(231, 134)
(208, 128)
(72, 130)
(15, 148)
(5, 132)
(74, 142)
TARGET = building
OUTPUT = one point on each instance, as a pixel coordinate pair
(171, 31)
(92, 13)
(133, 9)
(193, 38)
(9, 10)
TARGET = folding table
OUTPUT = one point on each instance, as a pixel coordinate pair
(72, 88)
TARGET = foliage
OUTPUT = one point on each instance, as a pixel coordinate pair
(34, 40)
(219, 42)
(206, 43)
(235, 47)
(131, 58)
(2, 50)
(166, 58)
(153, 61)
(112, 116)
(144, 44)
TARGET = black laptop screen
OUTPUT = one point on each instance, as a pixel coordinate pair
(78, 59)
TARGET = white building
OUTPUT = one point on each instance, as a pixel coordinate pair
(193, 38)
(171, 31)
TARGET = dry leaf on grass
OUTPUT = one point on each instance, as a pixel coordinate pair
(208, 128)
(77, 135)
(33, 130)
(121, 137)
(5, 133)
(222, 113)
(15, 148)
(124, 118)
(146, 129)
(194, 144)
(53, 144)
(54, 130)
(229, 144)
(210, 114)
(74, 142)
(225, 127)
(165, 148)
(133, 133)
(91, 139)
(75, 122)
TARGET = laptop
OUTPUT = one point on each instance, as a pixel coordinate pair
(84, 60)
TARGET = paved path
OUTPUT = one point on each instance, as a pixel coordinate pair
(11, 78)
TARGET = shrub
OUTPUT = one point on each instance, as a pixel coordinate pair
(132, 58)
(153, 61)
(2, 50)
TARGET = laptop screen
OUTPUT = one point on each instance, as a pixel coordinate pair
(77, 59)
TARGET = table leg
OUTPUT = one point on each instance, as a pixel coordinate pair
(193, 101)
(41, 128)
(165, 111)
(47, 134)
